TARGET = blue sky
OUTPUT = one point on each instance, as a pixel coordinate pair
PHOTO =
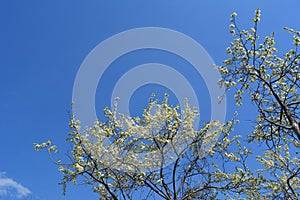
(43, 43)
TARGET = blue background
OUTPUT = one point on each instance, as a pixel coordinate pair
(43, 43)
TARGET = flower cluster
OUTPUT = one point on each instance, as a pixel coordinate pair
(272, 81)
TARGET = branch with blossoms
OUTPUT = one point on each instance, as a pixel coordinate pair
(272, 81)
(159, 153)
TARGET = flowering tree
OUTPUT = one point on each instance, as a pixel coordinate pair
(273, 83)
(161, 155)
(158, 155)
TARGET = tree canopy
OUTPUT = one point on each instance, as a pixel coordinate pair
(161, 155)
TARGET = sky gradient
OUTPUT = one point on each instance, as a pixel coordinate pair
(43, 43)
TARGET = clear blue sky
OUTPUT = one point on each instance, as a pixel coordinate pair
(43, 43)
